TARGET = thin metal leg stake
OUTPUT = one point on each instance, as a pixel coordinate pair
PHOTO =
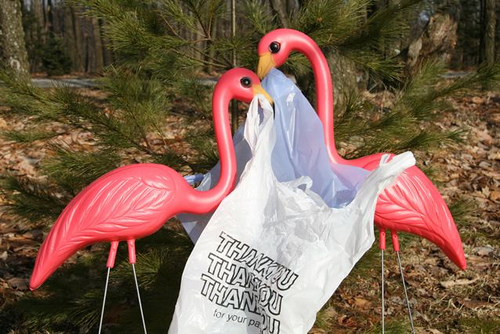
(104, 300)
(383, 284)
(406, 294)
(139, 297)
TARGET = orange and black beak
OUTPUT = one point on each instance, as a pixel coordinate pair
(266, 64)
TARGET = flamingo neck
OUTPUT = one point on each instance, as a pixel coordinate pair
(207, 201)
(324, 91)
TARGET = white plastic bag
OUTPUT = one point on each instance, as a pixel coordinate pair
(299, 151)
(274, 252)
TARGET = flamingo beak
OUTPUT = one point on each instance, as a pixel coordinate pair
(266, 64)
(257, 89)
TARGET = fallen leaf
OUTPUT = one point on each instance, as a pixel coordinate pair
(33, 234)
(329, 313)
(495, 196)
(463, 281)
(494, 156)
(478, 100)
(346, 321)
(483, 251)
(19, 283)
(474, 303)
(362, 303)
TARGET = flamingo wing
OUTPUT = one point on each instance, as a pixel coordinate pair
(127, 203)
(413, 204)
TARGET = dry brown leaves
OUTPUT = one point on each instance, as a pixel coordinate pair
(444, 299)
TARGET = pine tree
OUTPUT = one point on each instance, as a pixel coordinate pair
(162, 49)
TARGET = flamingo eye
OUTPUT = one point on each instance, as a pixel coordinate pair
(246, 82)
(274, 47)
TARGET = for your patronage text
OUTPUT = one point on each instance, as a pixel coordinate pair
(240, 277)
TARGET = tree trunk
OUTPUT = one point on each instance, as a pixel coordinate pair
(343, 78)
(482, 27)
(280, 8)
(107, 55)
(489, 38)
(12, 46)
(438, 40)
(39, 15)
(97, 41)
(49, 16)
(79, 61)
(70, 38)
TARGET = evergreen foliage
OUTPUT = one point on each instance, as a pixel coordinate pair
(162, 49)
(55, 60)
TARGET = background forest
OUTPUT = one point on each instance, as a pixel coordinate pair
(132, 83)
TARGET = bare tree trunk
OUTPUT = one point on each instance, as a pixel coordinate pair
(97, 41)
(78, 62)
(107, 55)
(69, 36)
(343, 77)
(489, 38)
(84, 25)
(50, 16)
(437, 40)
(12, 46)
(482, 27)
(280, 8)
(38, 13)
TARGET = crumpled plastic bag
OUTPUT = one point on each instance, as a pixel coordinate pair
(299, 150)
(274, 251)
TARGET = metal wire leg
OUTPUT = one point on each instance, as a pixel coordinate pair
(139, 297)
(104, 300)
(383, 284)
(406, 294)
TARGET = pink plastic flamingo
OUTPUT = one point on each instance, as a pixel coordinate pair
(134, 201)
(413, 204)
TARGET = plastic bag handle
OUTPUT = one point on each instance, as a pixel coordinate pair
(257, 132)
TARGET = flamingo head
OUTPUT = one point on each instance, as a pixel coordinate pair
(275, 48)
(243, 84)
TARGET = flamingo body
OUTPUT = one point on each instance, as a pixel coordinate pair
(412, 204)
(128, 203)
(134, 201)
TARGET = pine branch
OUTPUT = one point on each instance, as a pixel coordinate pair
(380, 25)
(258, 18)
(28, 136)
(461, 209)
(202, 141)
(35, 201)
(74, 170)
(330, 22)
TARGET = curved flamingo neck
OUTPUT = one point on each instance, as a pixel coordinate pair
(207, 201)
(324, 92)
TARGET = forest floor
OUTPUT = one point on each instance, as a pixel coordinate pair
(444, 299)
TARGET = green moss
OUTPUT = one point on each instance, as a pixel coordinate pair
(479, 326)
(393, 327)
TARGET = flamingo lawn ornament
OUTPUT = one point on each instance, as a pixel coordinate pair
(412, 204)
(134, 201)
